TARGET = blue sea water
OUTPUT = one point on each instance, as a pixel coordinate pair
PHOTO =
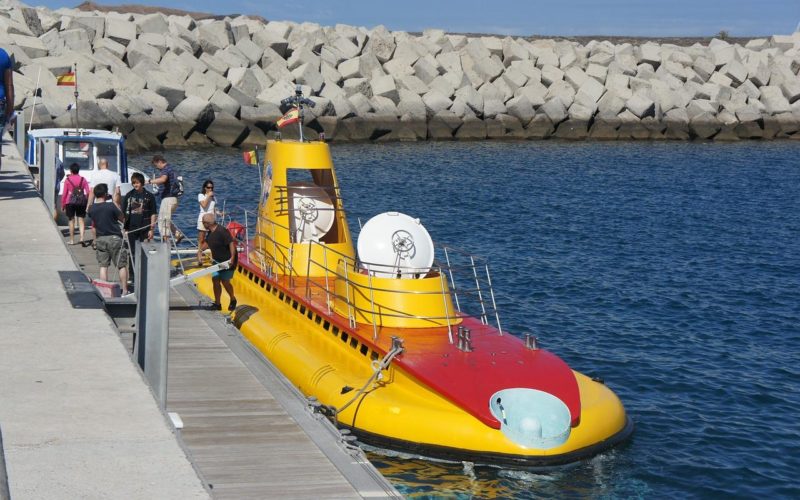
(671, 270)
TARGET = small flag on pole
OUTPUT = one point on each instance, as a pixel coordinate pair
(292, 116)
(67, 79)
(250, 157)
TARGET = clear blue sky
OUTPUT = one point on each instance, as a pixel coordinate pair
(516, 17)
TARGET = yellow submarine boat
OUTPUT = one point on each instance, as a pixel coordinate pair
(383, 339)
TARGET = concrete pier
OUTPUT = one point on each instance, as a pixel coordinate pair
(77, 419)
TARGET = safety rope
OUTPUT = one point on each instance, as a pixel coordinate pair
(377, 375)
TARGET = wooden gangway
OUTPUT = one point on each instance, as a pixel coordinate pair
(247, 430)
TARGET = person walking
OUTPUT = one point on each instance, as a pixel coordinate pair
(223, 249)
(208, 205)
(74, 201)
(6, 91)
(107, 218)
(139, 207)
(103, 176)
(168, 192)
(108, 177)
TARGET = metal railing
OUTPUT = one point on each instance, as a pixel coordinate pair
(464, 278)
(470, 283)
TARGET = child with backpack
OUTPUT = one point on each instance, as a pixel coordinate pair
(74, 200)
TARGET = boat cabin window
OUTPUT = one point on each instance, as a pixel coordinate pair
(312, 203)
(79, 152)
(86, 154)
(109, 151)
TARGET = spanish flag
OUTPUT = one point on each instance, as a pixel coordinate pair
(67, 79)
(292, 116)
(250, 157)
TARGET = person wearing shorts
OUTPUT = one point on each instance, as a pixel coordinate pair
(110, 250)
(75, 181)
(168, 201)
(223, 249)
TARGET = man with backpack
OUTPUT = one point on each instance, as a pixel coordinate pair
(169, 189)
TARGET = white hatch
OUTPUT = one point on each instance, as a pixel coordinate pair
(395, 245)
(312, 212)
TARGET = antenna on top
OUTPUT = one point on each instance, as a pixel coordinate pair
(297, 101)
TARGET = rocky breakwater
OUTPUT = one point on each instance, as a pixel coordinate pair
(168, 80)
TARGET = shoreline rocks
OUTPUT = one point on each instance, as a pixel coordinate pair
(173, 81)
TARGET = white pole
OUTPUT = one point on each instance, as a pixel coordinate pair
(35, 90)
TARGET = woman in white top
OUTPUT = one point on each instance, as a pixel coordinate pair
(208, 204)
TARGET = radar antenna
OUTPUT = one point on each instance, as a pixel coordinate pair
(298, 101)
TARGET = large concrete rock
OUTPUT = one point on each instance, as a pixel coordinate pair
(513, 51)
(226, 130)
(521, 108)
(572, 128)
(442, 125)
(222, 102)
(640, 106)
(471, 129)
(704, 126)
(604, 129)
(540, 127)
(535, 92)
(380, 44)
(563, 91)
(152, 23)
(138, 52)
(555, 110)
(308, 74)
(120, 30)
(501, 126)
(435, 102)
(214, 36)
(31, 46)
(473, 99)
(149, 130)
(385, 86)
(194, 113)
(774, 101)
(162, 84)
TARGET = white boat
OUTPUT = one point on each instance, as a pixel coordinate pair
(82, 146)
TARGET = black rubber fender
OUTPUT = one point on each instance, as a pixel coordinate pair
(242, 313)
